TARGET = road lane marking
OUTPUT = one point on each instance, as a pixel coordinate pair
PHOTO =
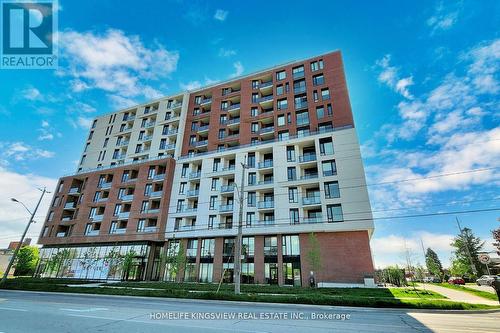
(13, 309)
(84, 310)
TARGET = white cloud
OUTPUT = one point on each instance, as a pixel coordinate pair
(443, 18)
(220, 15)
(389, 75)
(20, 151)
(191, 85)
(226, 52)
(120, 102)
(32, 94)
(84, 122)
(47, 132)
(238, 69)
(13, 217)
(114, 62)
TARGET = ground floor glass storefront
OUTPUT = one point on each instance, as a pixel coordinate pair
(100, 262)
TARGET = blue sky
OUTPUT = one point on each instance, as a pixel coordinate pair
(422, 76)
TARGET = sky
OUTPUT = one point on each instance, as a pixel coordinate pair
(423, 79)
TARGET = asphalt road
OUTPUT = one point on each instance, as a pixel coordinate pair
(52, 312)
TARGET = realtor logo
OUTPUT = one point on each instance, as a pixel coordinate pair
(28, 29)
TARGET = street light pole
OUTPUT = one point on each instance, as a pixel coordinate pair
(11, 262)
(237, 255)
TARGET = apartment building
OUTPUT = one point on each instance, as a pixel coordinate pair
(164, 179)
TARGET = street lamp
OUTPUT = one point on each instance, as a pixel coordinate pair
(11, 262)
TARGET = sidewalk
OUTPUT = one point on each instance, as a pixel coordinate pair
(457, 295)
(481, 288)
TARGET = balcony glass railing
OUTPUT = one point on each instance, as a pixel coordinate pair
(307, 158)
(61, 234)
(155, 194)
(160, 176)
(227, 188)
(123, 215)
(97, 218)
(146, 138)
(151, 211)
(70, 205)
(194, 175)
(226, 208)
(266, 130)
(74, 190)
(234, 106)
(299, 90)
(265, 99)
(127, 197)
(265, 84)
(315, 219)
(301, 105)
(104, 185)
(174, 105)
(265, 204)
(192, 193)
(203, 128)
(119, 231)
(309, 176)
(206, 101)
(123, 143)
(266, 182)
(226, 225)
(171, 132)
(92, 233)
(266, 222)
(311, 200)
(265, 164)
(199, 143)
(233, 121)
(298, 75)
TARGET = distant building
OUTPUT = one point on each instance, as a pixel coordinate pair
(13, 245)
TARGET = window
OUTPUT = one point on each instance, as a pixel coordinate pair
(50, 217)
(279, 90)
(248, 246)
(252, 178)
(334, 213)
(255, 97)
(250, 218)
(318, 80)
(192, 247)
(197, 100)
(216, 164)
(182, 187)
(180, 205)
(281, 75)
(292, 173)
(290, 154)
(208, 247)
(294, 216)
(326, 146)
(251, 199)
(151, 172)
(255, 84)
(97, 196)
(283, 135)
(315, 95)
(254, 112)
(213, 199)
(317, 65)
(105, 143)
(56, 201)
(329, 168)
(228, 247)
(293, 195)
(222, 134)
(290, 245)
(255, 127)
(302, 118)
(332, 190)
(118, 209)
(223, 119)
(299, 87)
(325, 94)
(211, 220)
(184, 170)
(148, 189)
(206, 272)
(251, 160)
(215, 184)
(298, 72)
(320, 111)
(329, 110)
(281, 120)
(282, 104)
(163, 143)
(271, 246)
(144, 206)
(60, 187)
(224, 105)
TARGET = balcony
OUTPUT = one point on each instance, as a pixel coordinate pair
(265, 85)
(234, 107)
(119, 156)
(142, 151)
(226, 208)
(119, 231)
(171, 132)
(150, 124)
(309, 176)
(123, 215)
(298, 75)
(92, 233)
(156, 194)
(203, 128)
(266, 222)
(265, 99)
(170, 146)
(266, 130)
(74, 190)
(188, 210)
(199, 143)
(146, 138)
(299, 90)
(227, 188)
(123, 143)
(316, 219)
(128, 197)
(126, 129)
(300, 105)
(226, 226)
(265, 164)
(266, 182)
(194, 175)
(192, 193)
(97, 218)
(61, 234)
(102, 199)
(316, 200)
(158, 177)
(129, 118)
(234, 121)
(206, 101)
(104, 185)
(265, 204)
(307, 158)
(151, 211)
(174, 105)
(70, 205)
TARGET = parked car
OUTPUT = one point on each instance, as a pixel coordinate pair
(432, 279)
(456, 280)
(485, 280)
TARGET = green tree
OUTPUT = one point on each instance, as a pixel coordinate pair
(393, 275)
(127, 264)
(467, 241)
(313, 256)
(496, 237)
(56, 261)
(433, 263)
(26, 260)
(89, 260)
(459, 267)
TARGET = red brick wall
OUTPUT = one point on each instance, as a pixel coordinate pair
(345, 257)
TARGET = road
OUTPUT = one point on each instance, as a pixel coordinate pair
(53, 312)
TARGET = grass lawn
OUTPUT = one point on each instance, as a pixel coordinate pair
(388, 298)
(479, 293)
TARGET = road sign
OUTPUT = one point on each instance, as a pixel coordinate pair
(484, 258)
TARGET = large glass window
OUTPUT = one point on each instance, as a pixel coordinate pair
(228, 247)
(208, 247)
(334, 213)
(190, 272)
(332, 190)
(318, 80)
(271, 246)
(192, 248)
(290, 154)
(326, 146)
(248, 246)
(293, 195)
(329, 168)
(294, 216)
(251, 199)
(290, 245)
(206, 272)
(292, 173)
(282, 104)
(281, 75)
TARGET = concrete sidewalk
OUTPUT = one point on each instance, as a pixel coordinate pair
(457, 295)
(488, 289)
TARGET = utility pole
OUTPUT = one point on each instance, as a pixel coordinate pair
(425, 261)
(11, 262)
(474, 270)
(237, 255)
